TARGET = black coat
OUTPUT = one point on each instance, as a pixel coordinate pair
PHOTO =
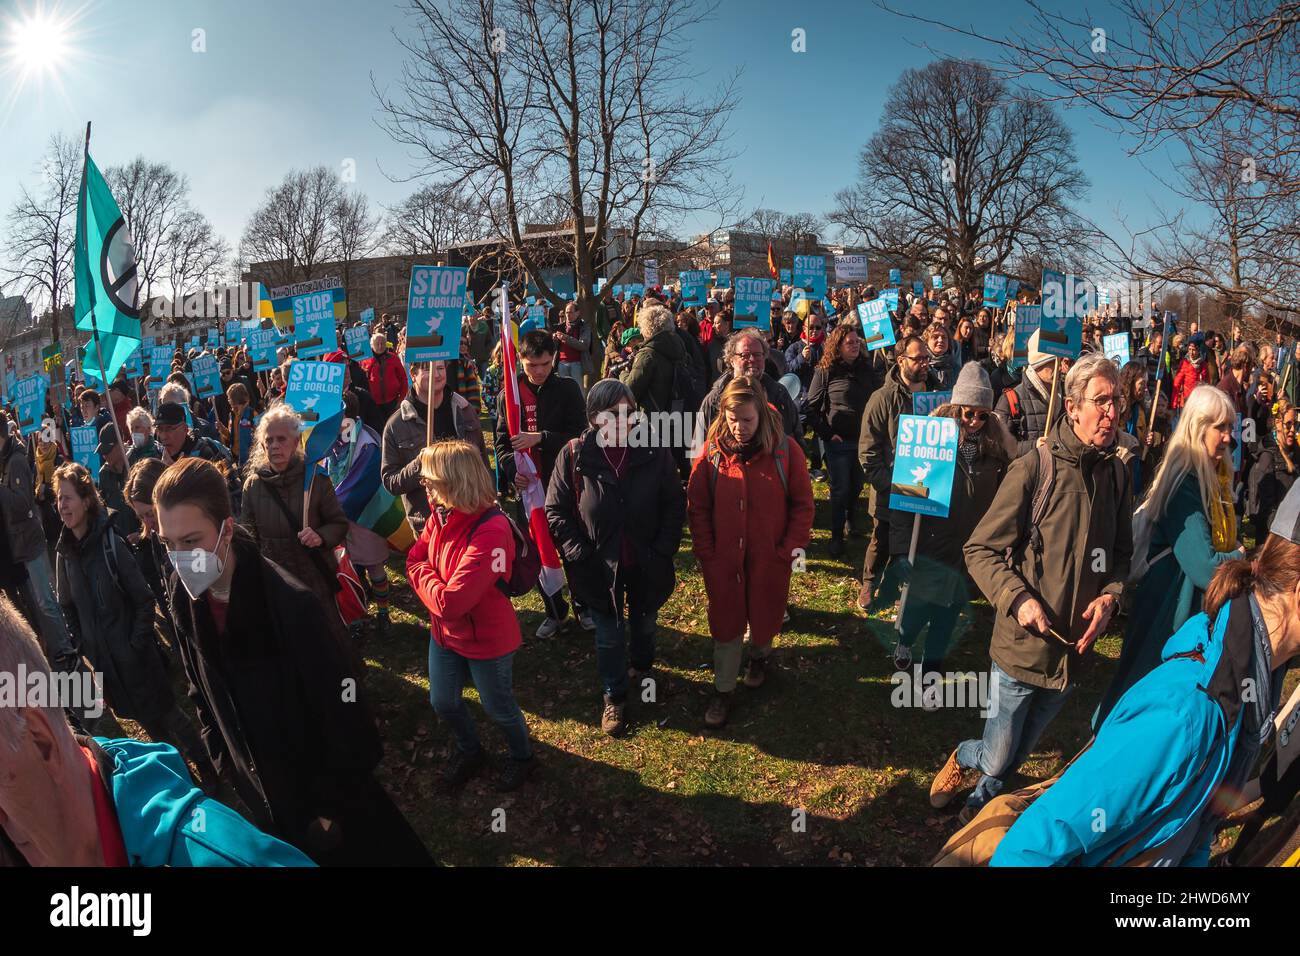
(1029, 422)
(838, 396)
(111, 617)
(646, 505)
(561, 415)
(274, 712)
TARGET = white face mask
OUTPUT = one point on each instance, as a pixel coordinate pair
(138, 439)
(197, 569)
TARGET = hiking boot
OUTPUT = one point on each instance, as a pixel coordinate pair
(902, 657)
(461, 769)
(514, 773)
(756, 672)
(715, 715)
(548, 628)
(951, 779)
(611, 718)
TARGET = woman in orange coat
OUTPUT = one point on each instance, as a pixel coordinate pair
(750, 504)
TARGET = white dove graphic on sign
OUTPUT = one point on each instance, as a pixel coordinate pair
(309, 403)
(919, 473)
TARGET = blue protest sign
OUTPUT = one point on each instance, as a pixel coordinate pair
(85, 445)
(160, 363)
(434, 312)
(891, 299)
(995, 290)
(1061, 331)
(357, 342)
(723, 280)
(29, 401)
(925, 462)
(785, 277)
(206, 376)
(936, 282)
(918, 287)
(923, 403)
(133, 367)
(315, 392)
(234, 332)
(895, 276)
(536, 319)
(877, 329)
(11, 379)
(1236, 444)
(367, 317)
(261, 349)
(213, 341)
(754, 302)
(1028, 318)
(809, 274)
(637, 289)
(695, 286)
(314, 329)
(1013, 289)
(1116, 348)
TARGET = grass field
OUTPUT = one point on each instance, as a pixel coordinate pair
(821, 737)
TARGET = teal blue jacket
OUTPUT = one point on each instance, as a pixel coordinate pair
(1156, 760)
(167, 821)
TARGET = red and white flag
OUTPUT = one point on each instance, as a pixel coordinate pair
(533, 497)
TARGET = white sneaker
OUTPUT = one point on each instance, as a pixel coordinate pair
(902, 657)
(586, 622)
(548, 628)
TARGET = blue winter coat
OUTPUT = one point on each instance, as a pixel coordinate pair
(167, 821)
(1159, 755)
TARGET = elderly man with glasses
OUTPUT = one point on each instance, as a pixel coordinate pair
(1051, 555)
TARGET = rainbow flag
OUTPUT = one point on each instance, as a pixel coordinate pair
(354, 470)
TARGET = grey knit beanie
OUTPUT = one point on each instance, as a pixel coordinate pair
(973, 387)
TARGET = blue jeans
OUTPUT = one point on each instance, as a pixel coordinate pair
(492, 680)
(1020, 716)
(40, 592)
(846, 479)
(611, 649)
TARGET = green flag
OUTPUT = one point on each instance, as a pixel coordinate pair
(104, 259)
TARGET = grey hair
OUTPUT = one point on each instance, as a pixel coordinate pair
(275, 415)
(139, 414)
(653, 319)
(1084, 371)
(377, 340)
(172, 392)
(606, 394)
(736, 339)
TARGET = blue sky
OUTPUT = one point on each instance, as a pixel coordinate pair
(286, 84)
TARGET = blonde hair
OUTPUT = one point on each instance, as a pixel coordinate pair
(652, 319)
(1185, 454)
(275, 415)
(745, 390)
(459, 478)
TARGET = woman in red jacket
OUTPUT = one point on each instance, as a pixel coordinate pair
(466, 548)
(750, 504)
(1193, 371)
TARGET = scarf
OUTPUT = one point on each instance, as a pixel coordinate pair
(45, 463)
(1223, 517)
(815, 338)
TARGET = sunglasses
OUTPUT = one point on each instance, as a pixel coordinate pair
(974, 415)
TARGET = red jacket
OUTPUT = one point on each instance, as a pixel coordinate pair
(1187, 378)
(745, 528)
(387, 377)
(452, 572)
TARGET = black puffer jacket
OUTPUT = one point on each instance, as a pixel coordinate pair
(837, 398)
(1028, 422)
(647, 506)
(110, 612)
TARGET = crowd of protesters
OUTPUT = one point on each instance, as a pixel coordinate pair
(1085, 496)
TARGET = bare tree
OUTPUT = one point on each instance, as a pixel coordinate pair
(196, 255)
(591, 102)
(294, 228)
(356, 231)
(41, 230)
(434, 217)
(154, 199)
(963, 175)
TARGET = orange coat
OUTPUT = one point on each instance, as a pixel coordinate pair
(745, 528)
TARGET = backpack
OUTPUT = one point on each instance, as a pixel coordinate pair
(1143, 525)
(527, 566)
(1044, 483)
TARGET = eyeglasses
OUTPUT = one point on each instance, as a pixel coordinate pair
(974, 415)
(749, 355)
(1108, 403)
(918, 359)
